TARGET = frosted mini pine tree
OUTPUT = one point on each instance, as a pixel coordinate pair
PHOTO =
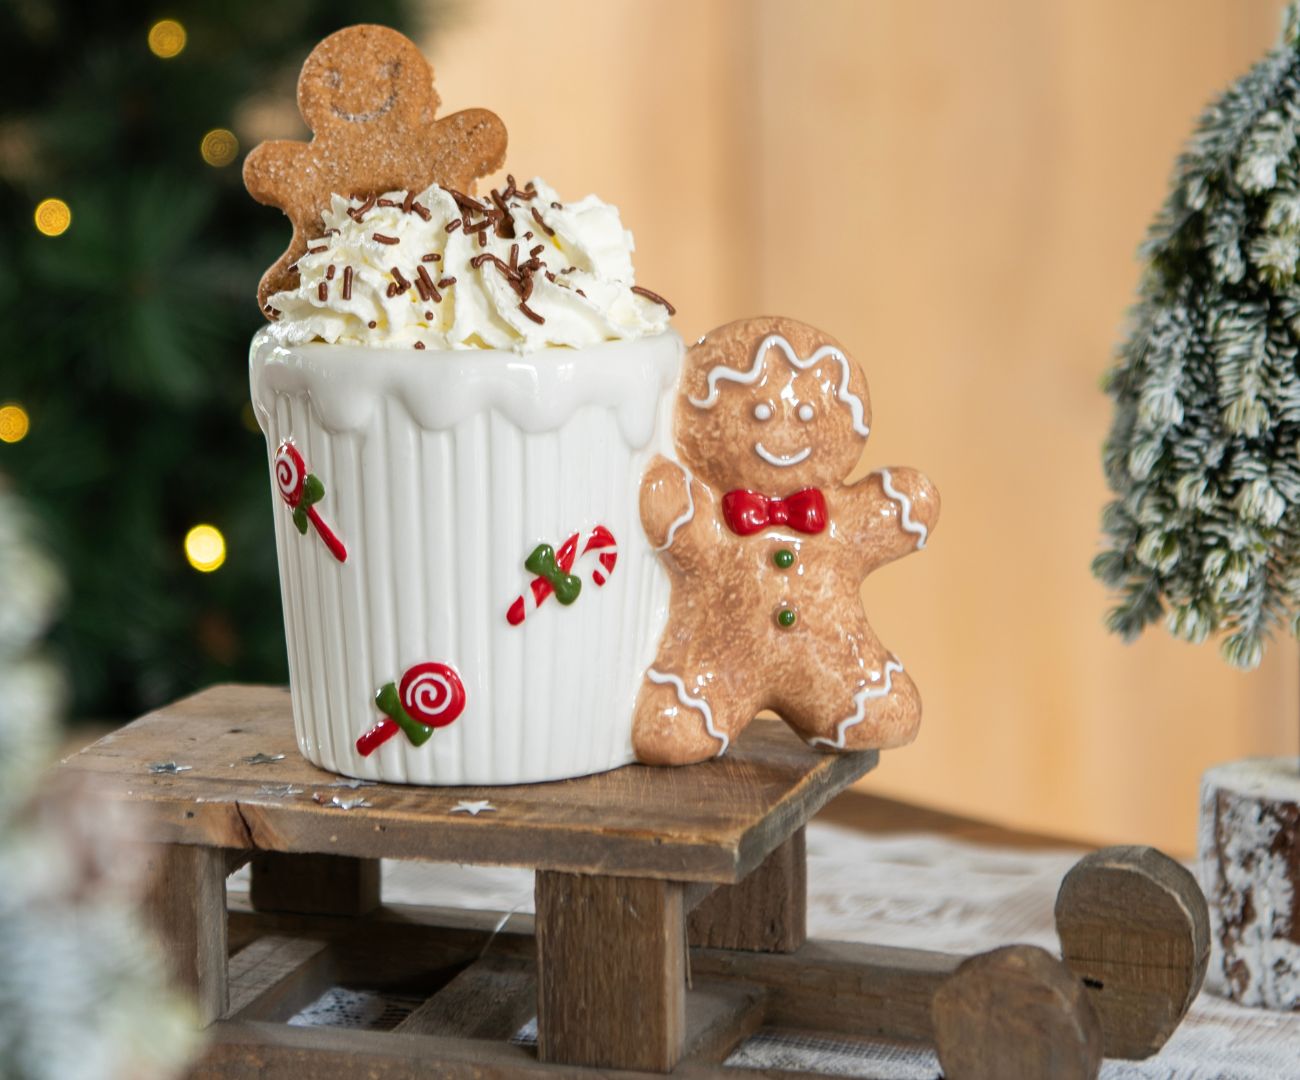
(1203, 455)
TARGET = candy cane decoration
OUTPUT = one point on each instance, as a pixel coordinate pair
(301, 490)
(599, 556)
(430, 696)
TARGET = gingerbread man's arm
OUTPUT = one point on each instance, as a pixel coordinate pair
(674, 510)
(887, 514)
(469, 144)
(271, 172)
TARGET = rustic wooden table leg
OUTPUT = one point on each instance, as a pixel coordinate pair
(611, 965)
(185, 903)
(767, 912)
(314, 884)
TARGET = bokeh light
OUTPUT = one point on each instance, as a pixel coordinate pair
(166, 38)
(205, 548)
(14, 422)
(219, 147)
(52, 217)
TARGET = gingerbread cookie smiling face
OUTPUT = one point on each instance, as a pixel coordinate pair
(766, 547)
(367, 94)
(787, 410)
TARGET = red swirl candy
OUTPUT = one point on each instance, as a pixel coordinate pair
(432, 694)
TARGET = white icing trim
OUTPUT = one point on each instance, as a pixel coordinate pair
(698, 704)
(861, 697)
(781, 461)
(909, 523)
(686, 515)
(723, 373)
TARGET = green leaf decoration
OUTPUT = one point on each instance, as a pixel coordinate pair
(300, 520)
(390, 704)
(312, 490)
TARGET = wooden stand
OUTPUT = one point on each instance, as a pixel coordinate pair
(670, 918)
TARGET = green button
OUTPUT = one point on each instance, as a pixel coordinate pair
(784, 558)
(786, 617)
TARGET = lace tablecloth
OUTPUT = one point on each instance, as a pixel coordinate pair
(910, 890)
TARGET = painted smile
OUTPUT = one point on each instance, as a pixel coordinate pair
(781, 461)
(365, 117)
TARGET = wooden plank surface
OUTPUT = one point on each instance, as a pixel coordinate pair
(767, 912)
(185, 906)
(611, 971)
(491, 999)
(277, 975)
(710, 822)
(314, 884)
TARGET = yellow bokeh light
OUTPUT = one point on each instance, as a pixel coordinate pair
(219, 147)
(205, 548)
(52, 217)
(14, 422)
(166, 38)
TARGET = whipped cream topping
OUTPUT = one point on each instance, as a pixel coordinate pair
(442, 270)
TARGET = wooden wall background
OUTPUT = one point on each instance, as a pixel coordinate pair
(956, 191)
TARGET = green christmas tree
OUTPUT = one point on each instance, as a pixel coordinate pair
(131, 261)
(1204, 453)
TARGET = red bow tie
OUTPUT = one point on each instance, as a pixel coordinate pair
(748, 512)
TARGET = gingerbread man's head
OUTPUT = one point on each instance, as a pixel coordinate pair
(772, 405)
(365, 80)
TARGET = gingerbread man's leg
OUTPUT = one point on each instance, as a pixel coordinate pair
(685, 712)
(863, 701)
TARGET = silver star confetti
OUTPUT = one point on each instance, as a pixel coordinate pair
(263, 759)
(279, 791)
(168, 768)
(340, 802)
(354, 784)
(473, 808)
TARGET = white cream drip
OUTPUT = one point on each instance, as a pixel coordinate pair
(684, 517)
(860, 698)
(723, 373)
(781, 461)
(698, 704)
(909, 523)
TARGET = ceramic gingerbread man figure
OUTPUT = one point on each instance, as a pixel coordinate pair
(767, 546)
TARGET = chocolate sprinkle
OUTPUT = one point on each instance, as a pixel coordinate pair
(382, 238)
(422, 210)
(535, 250)
(385, 202)
(428, 314)
(428, 291)
(557, 206)
(433, 256)
(347, 283)
(419, 344)
(530, 313)
(545, 228)
(318, 249)
(329, 272)
(402, 283)
(372, 324)
(356, 213)
(406, 203)
(453, 224)
(446, 282)
(655, 297)
(323, 290)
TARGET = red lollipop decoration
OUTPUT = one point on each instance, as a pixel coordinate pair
(431, 696)
(302, 490)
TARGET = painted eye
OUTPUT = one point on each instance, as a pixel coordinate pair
(762, 411)
(805, 412)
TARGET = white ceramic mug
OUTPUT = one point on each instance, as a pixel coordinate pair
(440, 474)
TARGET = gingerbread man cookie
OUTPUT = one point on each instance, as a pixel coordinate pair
(367, 94)
(767, 546)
